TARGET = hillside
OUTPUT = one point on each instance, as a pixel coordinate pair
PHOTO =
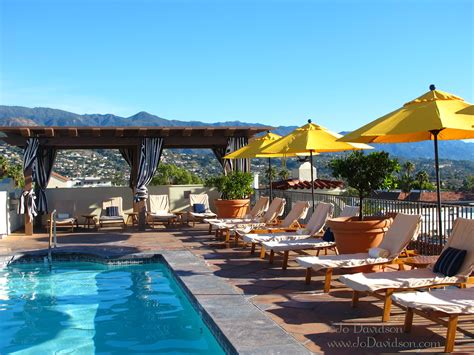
(18, 116)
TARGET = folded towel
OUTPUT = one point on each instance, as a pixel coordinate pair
(378, 253)
(302, 231)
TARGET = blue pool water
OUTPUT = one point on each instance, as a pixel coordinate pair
(86, 308)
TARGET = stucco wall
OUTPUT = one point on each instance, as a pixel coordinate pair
(10, 221)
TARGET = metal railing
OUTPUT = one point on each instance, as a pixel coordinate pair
(52, 240)
(429, 241)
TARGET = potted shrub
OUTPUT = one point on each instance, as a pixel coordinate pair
(235, 189)
(365, 173)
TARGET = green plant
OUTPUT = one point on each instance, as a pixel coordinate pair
(366, 173)
(13, 171)
(234, 186)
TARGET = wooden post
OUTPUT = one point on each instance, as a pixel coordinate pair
(28, 186)
(139, 206)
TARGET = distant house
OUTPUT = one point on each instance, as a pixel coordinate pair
(321, 185)
(56, 180)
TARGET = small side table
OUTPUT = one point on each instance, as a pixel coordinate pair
(89, 221)
(132, 218)
(420, 261)
(180, 216)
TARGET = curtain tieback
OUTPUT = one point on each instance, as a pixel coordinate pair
(27, 204)
(141, 193)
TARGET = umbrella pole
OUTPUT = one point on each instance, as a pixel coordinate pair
(270, 178)
(438, 188)
(312, 179)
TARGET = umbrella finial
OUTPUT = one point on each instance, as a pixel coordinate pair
(309, 121)
(432, 87)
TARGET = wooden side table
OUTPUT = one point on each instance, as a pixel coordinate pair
(89, 220)
(132, 218)
(180, 216)
(420, 261)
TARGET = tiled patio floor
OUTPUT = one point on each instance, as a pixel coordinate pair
(323, 323)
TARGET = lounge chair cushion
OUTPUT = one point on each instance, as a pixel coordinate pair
(199, 208)
(63, 215)
(450, 301)
(111, 218)
(65, 221)
(416, 278)
(163, 215)
(298, 244)
(339, 261)
(203, 215)
(328, 235)
(450, 261)
(112, 211)
(259, 238)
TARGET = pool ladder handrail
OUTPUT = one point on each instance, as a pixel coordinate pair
(52, 234)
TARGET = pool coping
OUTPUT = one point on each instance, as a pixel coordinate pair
(238, 325)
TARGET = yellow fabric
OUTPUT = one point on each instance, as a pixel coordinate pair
(254, 148)
(435, 110)
(311, 137)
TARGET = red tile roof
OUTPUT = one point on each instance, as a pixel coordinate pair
(304, 184)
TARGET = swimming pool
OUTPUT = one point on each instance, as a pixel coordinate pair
(84, 308)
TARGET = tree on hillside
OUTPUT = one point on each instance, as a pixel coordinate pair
(406, 180)
(170, 174)
(284, 174)
(422, 181)
(468, 184)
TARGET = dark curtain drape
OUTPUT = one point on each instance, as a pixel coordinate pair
(45, 157)
(226, 164)
(149, 155)
(149, 158)
(127, 154)
(27, 199)
(233, 144)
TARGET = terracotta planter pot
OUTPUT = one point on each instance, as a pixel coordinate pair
(354, 236)
(232, 208)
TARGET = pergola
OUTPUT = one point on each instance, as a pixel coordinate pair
(138, 145)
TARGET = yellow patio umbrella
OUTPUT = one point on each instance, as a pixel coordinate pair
(436, 115)
(254, 150)
(312, 139)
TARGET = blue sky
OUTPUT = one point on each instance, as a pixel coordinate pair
(341, 63)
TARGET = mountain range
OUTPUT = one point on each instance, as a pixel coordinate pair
(40, 116)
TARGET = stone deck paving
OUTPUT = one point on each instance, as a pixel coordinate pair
(321, 322)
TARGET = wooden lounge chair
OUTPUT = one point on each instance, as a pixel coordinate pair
(435, 306)
(383, 284)
(294, 231)
(199, 216)
(254, 216)
(106, 219)
(64, 217)
(404, 228)
(308, 241)
(159, 210)
(270, 217)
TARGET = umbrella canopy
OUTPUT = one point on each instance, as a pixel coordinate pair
(254, 150)
(432, 116)
(313, 139)
(255, 147)
(416, 120)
